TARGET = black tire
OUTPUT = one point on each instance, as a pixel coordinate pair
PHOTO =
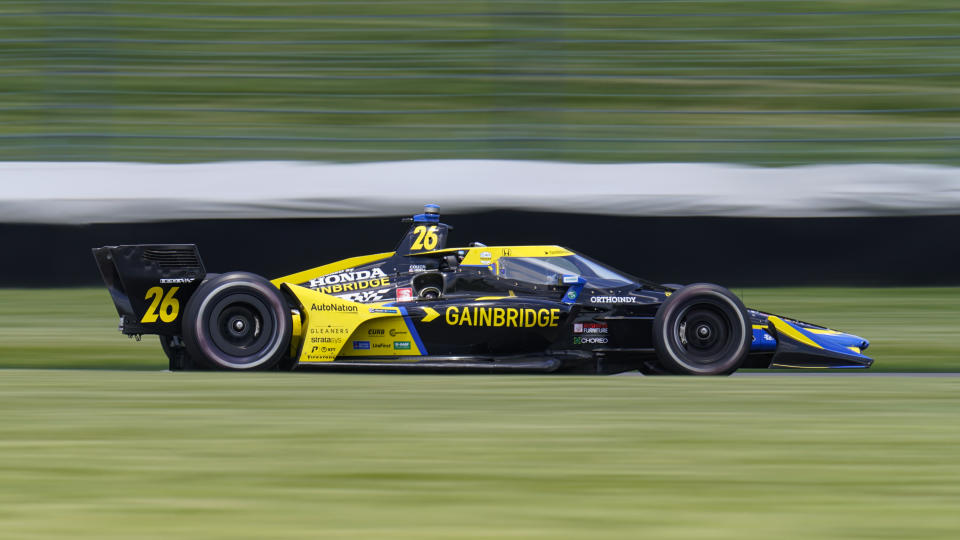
(702, 329)
(237, 321)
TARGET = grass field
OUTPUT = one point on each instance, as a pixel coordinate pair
(151, 455)
(142, 453)
(910, 329)
(763, 82)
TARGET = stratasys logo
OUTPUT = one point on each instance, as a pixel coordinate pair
(333, 307)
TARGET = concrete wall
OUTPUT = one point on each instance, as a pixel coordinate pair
(905, 250)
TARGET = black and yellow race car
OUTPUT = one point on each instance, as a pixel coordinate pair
(426, 306)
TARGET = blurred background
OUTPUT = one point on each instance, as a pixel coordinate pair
(763, 82)
(766, 83)
(98, 443)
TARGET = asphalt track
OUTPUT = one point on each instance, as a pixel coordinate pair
(827, 373)
(747, 374)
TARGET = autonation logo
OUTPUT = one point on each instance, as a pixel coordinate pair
(334, 307)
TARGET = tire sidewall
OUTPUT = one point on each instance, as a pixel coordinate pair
(670, 353)
(196, 328)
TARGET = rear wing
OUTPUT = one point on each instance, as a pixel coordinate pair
(150, 284)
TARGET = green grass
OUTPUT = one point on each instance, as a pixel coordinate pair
(527, 79)
(69, 328)
(117, 455)
(910, 329)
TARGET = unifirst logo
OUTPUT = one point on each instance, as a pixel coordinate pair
(502, 317)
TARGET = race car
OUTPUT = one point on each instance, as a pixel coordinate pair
(426, 306)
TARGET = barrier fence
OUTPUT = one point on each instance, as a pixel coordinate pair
(79, 193)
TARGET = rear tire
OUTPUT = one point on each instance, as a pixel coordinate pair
(237, 321)
(702, 329)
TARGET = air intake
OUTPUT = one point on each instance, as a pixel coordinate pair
(179, 257)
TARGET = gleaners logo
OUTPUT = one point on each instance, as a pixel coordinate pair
(350, 281)
(329, 330)
(333, 307)
(505, 317)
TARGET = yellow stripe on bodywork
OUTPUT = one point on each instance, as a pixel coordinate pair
(296, 334)
(783, 327)
(313, 273)
(475, 257)
(511, 295)
(330, 322)
(823, 331)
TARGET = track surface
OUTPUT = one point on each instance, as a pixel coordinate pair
(844, 374)
(109, 454)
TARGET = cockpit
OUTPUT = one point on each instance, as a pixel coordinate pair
(551, 271)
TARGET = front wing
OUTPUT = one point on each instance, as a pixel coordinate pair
(797, 344)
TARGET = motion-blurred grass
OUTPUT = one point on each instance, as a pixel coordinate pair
(118, 455)
(764, 81)
(910, 329)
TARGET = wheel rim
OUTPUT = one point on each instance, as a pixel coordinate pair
(242, 327)
(703, 335)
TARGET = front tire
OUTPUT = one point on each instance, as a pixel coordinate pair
(237, 321)
(702, 329)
